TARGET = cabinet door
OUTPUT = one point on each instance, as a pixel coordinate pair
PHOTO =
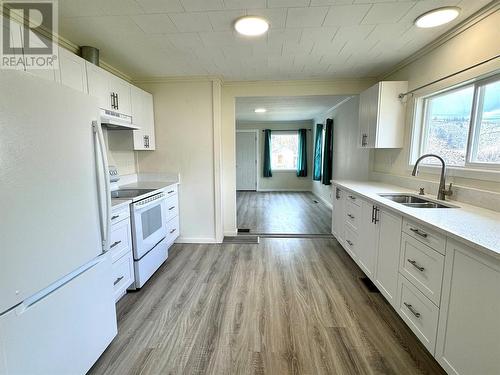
(72, 70)
(364, 103)
(121, 89)
(98, 79)
(468, 329)
(368, 238)
(386, 272)
(373, 111)
(338, 215)
(143, 117)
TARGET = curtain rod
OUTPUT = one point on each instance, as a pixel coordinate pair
(285, 130)
(402, 95)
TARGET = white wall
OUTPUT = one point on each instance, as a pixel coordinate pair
(349, 161)
(185, 144)
(281, 180)
(473, 45)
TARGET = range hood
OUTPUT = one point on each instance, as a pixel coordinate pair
(117, 121)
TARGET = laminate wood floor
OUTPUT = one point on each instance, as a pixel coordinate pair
(284, 306)
(282, 212)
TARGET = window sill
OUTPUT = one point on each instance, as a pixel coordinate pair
(461, 172)
(284, 170)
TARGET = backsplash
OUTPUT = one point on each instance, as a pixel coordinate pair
(473, 196)
(120, 150)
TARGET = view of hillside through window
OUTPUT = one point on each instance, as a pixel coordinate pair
(284, 151)
(448, 123)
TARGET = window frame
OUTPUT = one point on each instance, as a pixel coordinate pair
(420, 115)
(278, 133)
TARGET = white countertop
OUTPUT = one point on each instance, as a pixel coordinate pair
(157, 185)
(117, 203)
(477, 227)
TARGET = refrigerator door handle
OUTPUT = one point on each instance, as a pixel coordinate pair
(106, 222)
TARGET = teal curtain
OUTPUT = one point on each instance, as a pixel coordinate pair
(328, 154)
(267, 154)
(302, 154)
(318, 143)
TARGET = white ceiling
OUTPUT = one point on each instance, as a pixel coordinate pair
(285, 108)
(307, 39)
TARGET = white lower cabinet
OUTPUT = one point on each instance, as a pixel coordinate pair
(338, 214)
(418, 312)
(468, 340)
(368, 238)
(121, 251)
(389, 244)
(446, 292)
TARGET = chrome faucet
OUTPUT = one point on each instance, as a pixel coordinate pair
(442, 191)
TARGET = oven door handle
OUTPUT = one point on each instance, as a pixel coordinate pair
(139, 207)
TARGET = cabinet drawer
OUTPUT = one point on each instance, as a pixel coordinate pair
(123, 274)
(426, 235)
(351, 241)
(418, 312)
(353, 199)
(171, 190)
(120, 214)
(172, 207)
(172, 229)
(352, 214)
(120, 240)
(423, 267)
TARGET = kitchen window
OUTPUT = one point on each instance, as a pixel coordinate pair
(462, 125)
(284, 150)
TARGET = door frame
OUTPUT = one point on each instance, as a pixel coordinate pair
(257, 153)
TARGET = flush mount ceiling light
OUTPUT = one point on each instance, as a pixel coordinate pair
(251, 25)
(437, 17)
(260, 110)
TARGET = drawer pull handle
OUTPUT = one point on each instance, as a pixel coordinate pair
(172, 231)
(352, 197)
(115, 217)
(415, 264)
(419, 232)
(351, 216)
(171, 208)
(115, 244)
(118, 280)
(412, 310)
(170, 192)
(349, 242)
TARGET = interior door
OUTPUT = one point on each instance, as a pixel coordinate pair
(246, 161)
(50, 221)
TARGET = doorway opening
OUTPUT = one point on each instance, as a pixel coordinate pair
(278, 161)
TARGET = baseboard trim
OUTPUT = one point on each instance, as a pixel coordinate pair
(322, 199)
(283, 190)
(196, 240)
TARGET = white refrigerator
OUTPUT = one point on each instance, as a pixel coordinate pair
(57, 311)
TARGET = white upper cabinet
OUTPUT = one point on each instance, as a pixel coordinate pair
(143, 117)
(381, 115)
(97, 79)
(113, 92)
(468, 330)
(72, 70)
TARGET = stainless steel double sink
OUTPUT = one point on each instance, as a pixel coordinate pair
(415, 201)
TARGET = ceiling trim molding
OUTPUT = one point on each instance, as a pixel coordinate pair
(305, 82)
(170, 79)
(481, 14)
